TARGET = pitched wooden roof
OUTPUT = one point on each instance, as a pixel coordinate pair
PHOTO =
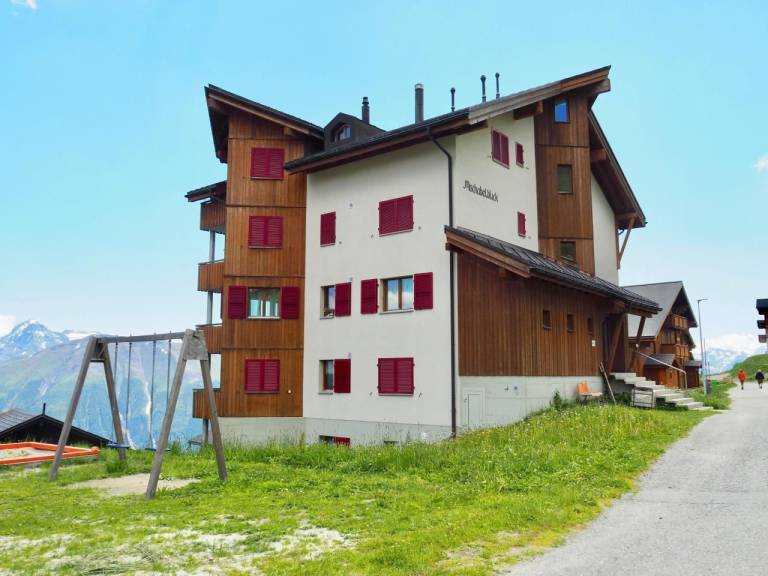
(667, 294)
(16, 424)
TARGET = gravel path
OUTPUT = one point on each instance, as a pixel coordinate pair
(701, 509)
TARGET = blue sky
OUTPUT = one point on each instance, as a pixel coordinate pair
(105, 128)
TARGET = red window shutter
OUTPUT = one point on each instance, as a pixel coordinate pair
(271, 381)
(387, 216)
(267, 163)
(257, 231)
(519, 154)
(521, 224)
(328, 228)
(276, 161)
(342, 372)
(343, 299)
(404, 375)
(237, 302)
(341, 440)
(404, 213)
(274, 237)
(254, 376)
(369, 296)
(289, 302)
(496, 145)
(422, 291)
(504, 150)
(387, 376)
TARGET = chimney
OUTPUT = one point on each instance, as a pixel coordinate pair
(453, 99)
(497, 86)
(366, 117)
(419, 102)
(482, 81)
(43, 408)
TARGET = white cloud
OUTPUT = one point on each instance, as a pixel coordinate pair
(31, 4)
(762, 163)
(7, 322)
(736, 342)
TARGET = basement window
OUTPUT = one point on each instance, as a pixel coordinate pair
(568, 250)
(329, 301)
(561, 111)
(564, 179)
(570, 323)
(546, 320)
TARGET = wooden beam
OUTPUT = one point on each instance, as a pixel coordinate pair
(635, 356)
(112, 393)
(143, 337)
(213, 418)
(626, 238)
(599, 155)
(617, 330)
(530, 110)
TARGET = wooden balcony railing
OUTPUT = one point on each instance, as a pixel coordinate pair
(213, 216)
(676, 322)
(213, 336)
(200, 404)
(210, 276)
(679, 350)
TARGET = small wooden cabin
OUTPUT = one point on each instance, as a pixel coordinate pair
(19, 426)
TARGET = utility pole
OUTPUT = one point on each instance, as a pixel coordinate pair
(701, 341)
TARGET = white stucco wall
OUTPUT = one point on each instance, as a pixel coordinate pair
(515, 186)
(604, 226)
(353, 191)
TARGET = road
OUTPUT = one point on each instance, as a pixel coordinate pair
(701, 509)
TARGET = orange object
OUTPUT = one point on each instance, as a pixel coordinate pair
(38, 447)
(742, 375)
(583, 390)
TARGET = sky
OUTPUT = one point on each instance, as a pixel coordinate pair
(105, 128)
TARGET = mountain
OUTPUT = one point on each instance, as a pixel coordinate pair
(725, 351)
(41, 366)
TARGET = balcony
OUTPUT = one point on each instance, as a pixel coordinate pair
(200, 403)
(213, 216)
(210, 276)
(213, 336)
(679, 350)
(676, 322)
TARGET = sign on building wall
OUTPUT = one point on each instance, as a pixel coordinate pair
(480, 191)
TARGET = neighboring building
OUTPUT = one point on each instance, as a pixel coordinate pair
(762, 308)
(385, 285)
(19, 426)
(664, 340)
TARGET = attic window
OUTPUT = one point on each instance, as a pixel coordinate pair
(342, 132)
(561, 111)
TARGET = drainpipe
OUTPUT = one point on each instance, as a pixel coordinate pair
(452, 274)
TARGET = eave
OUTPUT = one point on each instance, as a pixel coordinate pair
(217, 190)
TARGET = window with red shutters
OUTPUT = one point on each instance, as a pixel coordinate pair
(327, 228)
(396, 215)
(289, 302)
(519, 154)
(521, 224)
(422, 291)
(369, 296)
(267, 163)
(342, 376)
(500, 148)
(343, 299)
(265, 232)
(341, 440)
(262, 376)
(396, 376)
(237, 302)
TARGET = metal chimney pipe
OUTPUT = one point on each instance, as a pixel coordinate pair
(453, 99)
(497, 86)
(419, 102)
(366, 116)
(482, 81)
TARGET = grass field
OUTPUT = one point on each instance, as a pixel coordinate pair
(751, 365)
(717, 398)
(469, 506)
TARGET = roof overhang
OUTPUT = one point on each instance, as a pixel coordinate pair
(762, 305)
(216, 191)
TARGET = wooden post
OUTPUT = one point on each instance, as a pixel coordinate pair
(165, 431)
(626, 238)
(213, 416)
(615, 342)
(112, 393)
(90, 347)
(636, 358)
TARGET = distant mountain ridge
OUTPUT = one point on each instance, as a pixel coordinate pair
(31, 337)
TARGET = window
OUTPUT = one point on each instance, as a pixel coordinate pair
(590, 327)
(546, 319)
(521, 231)
(329, 301)
(369, 296)
(568, 250)
(561, 111)
(267, 163)
(328, 229)
(334, 440)
(398, 294)
(519, 154)
(396, 215)
(326, 375)
(265, 232)
(262, 376)
(396, 376)
(500, 148)
(570, 323)
(564, 179)
(341, 133)
(263, 302)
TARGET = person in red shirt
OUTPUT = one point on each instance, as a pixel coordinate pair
(742, 377)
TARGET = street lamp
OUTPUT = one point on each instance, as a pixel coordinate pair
(701, 340)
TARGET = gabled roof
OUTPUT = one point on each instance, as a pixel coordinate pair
(12, 418)
(451, 122)
(659, 360)
(216, 190)
(15, 423)
(528, 263)
(667, 294)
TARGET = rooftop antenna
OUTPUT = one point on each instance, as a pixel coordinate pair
(482, 81)
(497, 86)
(453, 99)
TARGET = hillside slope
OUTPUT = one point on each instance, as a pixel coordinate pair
(751, 365)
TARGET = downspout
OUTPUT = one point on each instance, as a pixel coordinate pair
(452, 274)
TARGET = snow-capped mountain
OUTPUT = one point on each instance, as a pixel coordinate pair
(725, 351)
(29, 338)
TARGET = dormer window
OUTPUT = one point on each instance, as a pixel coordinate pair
(342, 132)
(561, 111)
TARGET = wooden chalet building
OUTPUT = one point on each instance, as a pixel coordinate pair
(448, 274)
(762, 308)
(664, 341)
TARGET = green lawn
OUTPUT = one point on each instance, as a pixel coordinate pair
(751, 365)
(717, 398)
(469, 506)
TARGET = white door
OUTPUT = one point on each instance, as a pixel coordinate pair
(474, 408)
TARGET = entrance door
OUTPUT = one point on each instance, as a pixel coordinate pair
(474, 408)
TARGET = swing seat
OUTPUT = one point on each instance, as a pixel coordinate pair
(118, 446)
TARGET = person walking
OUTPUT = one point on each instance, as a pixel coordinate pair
(759, 376)
(742, 377)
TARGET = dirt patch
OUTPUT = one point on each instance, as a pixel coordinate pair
(128, 485)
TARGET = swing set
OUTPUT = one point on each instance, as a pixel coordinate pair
(193, 347)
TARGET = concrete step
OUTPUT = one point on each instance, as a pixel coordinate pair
(623, 375)
(669, 396)
(683, 401)
(694, 405)
(702, 408)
